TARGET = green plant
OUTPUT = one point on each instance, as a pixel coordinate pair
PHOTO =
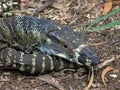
(101, 18)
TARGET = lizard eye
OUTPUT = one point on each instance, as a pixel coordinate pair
(65, 46)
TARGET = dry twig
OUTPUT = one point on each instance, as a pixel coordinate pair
(41, 8)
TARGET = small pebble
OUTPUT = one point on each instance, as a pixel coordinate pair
(113, 75)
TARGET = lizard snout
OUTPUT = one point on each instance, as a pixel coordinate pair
(87, 56)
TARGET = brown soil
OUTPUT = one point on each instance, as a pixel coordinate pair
(106, 43)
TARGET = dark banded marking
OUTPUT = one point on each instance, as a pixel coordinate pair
(27, 60)
(38, 61)
(47, 64)
(67, 64)
(43, 63)
(56, 63)
(16, 59)
(32, 64)
(3, 57)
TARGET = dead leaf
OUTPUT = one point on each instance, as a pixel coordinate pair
(90, 7)
(107, 8)
(108, 61)
(50, 80)
(91, 80)
(69, 3)
(116, 2)
(97, 44)
(25, 1)
(104, 72)
(57, 5)
(92, 1)
(63, 8)
(67, 16)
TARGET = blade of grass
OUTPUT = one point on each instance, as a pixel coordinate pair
(99, 19)
(106, 26)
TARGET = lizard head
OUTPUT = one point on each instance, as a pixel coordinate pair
(64, 42)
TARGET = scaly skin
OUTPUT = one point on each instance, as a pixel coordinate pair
(7, 5)
(29, 34)
(32, 63)
(53, 42)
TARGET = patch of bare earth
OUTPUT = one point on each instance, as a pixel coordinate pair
(105, 42)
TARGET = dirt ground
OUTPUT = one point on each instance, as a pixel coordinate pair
(105, 42)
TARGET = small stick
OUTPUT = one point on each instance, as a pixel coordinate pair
(41, 8)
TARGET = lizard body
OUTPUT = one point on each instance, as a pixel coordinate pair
(28, 34)
(57, 46)
(32, 63)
